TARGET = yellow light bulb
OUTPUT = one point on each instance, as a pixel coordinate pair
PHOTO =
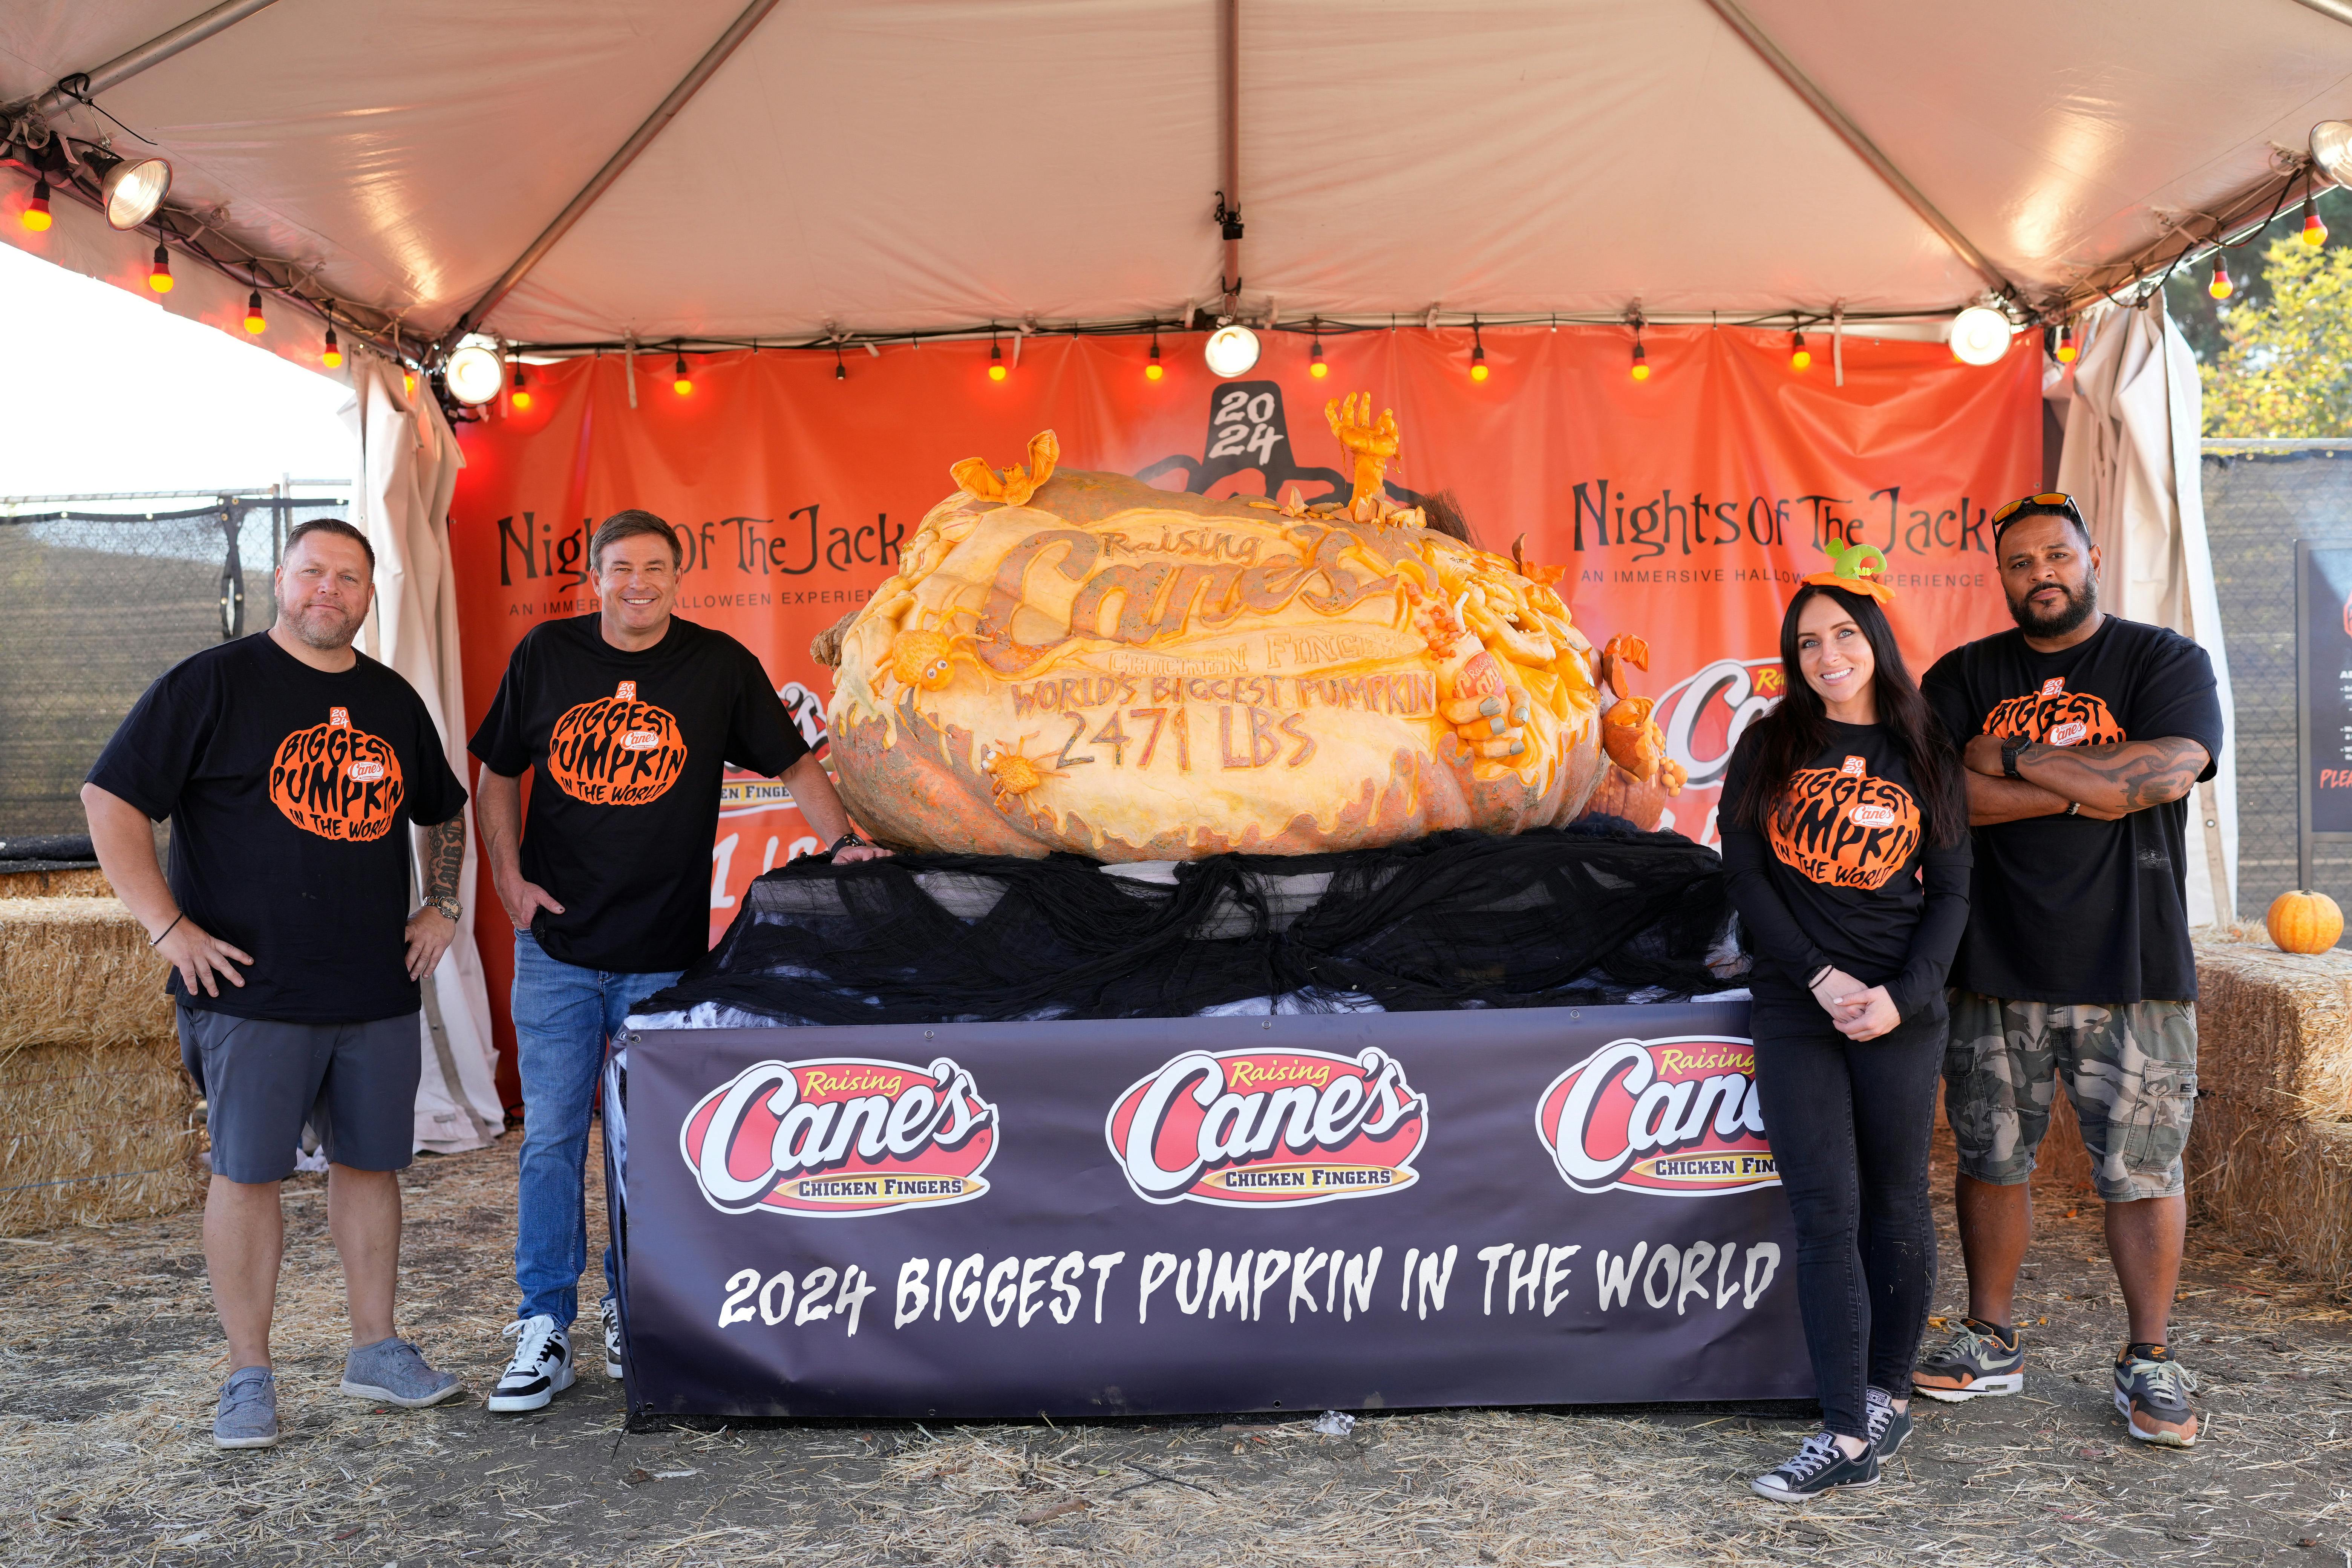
(683, 386)
(331, 359)
(408, 383)
(2220, 288)
(2314, 233)
(1641, 372)
(1477, 373)
(996, 372)
(1801, 359)
(1154, 371)
(254, 324)
(521, 399)
(1319, 370)
(36, 215)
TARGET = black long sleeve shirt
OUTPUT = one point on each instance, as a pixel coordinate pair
(1843, 874)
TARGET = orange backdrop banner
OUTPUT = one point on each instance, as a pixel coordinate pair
(1685, 507)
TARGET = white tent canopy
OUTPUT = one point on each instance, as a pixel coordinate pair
(883, 166)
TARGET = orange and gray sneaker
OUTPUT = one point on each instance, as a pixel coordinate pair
(2152, 1392)
(1972, 1365)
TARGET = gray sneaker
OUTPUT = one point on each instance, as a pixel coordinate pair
(395, 1371)
(248, 1417)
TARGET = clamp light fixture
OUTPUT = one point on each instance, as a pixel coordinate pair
(36, 215)
(474, 373)
(2220, 288)
(1231, 351)
(520, 395)
(1477, 352)
(1800, 358)
(1152, 369)
(681, 381)
(159, 272)
(130, 189)
(1979, 336)
(255, 321)
(2331, 149)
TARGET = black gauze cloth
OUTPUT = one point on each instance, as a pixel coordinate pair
(1590, 915)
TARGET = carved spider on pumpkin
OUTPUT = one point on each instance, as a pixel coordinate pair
(1010, 772)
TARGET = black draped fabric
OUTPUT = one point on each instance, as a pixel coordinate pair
(1587, 914)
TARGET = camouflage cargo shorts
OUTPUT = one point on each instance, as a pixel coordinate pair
(2130, 1069)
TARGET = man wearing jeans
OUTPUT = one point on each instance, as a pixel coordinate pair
(628, 717)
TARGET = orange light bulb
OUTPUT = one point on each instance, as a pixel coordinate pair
(158, 275)
(36, 215)
(255, 322)
(2314, 233)
(2220, 288)
(333, 355)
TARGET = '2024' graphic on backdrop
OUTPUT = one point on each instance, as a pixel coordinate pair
(847, 1137)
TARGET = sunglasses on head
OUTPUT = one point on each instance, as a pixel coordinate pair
(2048, 498)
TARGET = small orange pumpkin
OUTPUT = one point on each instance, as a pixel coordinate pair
(2304, 922)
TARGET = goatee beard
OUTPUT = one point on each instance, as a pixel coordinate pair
(2077, 610)
(324, 640)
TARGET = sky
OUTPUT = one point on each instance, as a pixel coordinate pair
(102, 391)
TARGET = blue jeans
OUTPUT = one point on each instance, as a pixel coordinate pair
(563, 1015)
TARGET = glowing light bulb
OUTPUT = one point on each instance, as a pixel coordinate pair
(520, 396)
(158, 275)
(1315, 365)
(36, 215)
(680, 382)
(1800, 358)
(1152, 369)
(408, 383)
(1641, 362)
(996, 371)
(255, 322)
(334, 356)
(2220, 288)
(2066, 351)
(2314, 233)
(1479, 363)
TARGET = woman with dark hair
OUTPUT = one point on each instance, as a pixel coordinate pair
(1845, 849)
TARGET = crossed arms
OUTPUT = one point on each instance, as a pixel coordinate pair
(2105, 782)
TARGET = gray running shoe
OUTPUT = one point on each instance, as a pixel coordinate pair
(248, 1417)
(395, 1371)
(608, 1312)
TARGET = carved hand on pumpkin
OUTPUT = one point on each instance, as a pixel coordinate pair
(1016, 484)
(1372, 445)
(1631, 739)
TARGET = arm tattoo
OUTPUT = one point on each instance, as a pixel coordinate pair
(2143, 773)
(445, 857)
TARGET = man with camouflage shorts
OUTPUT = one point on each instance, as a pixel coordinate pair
(2083, 734)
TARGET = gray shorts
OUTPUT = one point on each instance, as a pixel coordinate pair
(355, 1084)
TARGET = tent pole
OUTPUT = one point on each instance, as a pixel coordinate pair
(1866, 149)
(1229, 85)
(154, 51)
(704, 69)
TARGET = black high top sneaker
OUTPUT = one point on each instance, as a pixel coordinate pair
(1816, 1468)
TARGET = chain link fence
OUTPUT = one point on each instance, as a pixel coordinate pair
(99, 600)
(2260, 497)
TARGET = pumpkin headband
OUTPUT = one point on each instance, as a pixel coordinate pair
(1853, 567)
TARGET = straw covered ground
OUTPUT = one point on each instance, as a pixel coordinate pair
(109, 1361)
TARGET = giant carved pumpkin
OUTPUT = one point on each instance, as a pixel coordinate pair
(1083, 662)
(336, 780)
(615, 751)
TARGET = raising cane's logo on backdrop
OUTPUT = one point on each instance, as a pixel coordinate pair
(1704, 716)
(840, 1138)
(1245, 1129)
(2056, 717)
(336, 782)
(616, 751)
(1676, 1117)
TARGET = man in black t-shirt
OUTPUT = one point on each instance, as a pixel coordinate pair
(628, 717)
(2083, 735)
(292, 768)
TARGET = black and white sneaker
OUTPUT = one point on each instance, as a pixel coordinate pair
(608, 1312)
(1816, 1468)
(541, 1367)
(1888, 1426)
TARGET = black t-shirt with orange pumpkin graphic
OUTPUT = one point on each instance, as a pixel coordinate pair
(1842, 874)
(290, 792)
(2071, 909)
(628, 751)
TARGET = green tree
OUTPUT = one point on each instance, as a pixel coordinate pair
(2285, 364)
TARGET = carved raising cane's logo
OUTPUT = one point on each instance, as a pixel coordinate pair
(336, 782)
(616, 751)
(2056, 717)
(1843, 828)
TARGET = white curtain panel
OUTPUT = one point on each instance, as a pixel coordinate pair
(408, 467)
(2130, 459)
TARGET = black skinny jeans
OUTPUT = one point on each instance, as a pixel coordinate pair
(1849, 1121)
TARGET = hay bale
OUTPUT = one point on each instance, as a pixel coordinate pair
(98, 1119)
(56, 883)
(91, 1133)
(77, 971)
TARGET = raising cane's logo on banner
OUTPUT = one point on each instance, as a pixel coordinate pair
(1704, 716)
(840, 1138)
(1676, 1117)
(336, 782)
(616, 751)
(1245, 1128)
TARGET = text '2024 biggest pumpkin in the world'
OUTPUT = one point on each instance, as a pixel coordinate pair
(1081, 662)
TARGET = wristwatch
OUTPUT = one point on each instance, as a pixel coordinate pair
(449, 907)
(2010, 746)
(849, 840)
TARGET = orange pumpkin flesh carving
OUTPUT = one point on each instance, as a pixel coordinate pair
(337, 781)
(1206, 675)
(2304, 922)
